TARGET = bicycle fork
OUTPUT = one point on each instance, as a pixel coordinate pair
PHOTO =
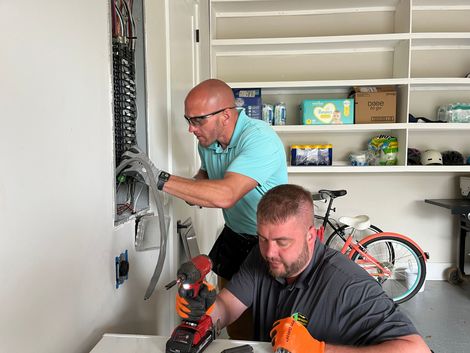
(369, 263)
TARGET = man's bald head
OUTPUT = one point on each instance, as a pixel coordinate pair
(208, 96)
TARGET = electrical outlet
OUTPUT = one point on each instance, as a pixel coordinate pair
(121, 263)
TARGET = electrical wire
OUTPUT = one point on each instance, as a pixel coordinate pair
(120, 32)
(113, 19)
(140, 192)
(125, 18)
(130, 24)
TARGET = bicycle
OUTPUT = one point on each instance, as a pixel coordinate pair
(394, 260)
(335, 238)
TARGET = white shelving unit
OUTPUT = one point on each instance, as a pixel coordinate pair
(302, 49)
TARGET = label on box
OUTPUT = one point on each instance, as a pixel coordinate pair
(250, 100)
(327, 111)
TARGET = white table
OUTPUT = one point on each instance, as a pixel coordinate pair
(114, 343)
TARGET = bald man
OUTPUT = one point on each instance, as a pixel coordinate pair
(241, 159)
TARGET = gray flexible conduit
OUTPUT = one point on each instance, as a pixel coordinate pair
(161, 218)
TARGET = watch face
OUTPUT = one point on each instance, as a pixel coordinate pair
(164, 176)
(162, 179)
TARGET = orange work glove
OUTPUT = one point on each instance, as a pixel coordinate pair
(193, 309)
(292, 336)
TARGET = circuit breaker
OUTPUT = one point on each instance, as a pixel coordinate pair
(129, 104)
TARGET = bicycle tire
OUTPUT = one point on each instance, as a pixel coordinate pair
(408, 271)
(334, 240)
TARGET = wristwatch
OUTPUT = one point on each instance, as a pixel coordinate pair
(162, 179)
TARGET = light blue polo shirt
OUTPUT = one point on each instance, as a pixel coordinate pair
(256, 151)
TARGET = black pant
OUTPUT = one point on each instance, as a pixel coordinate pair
(229, 252)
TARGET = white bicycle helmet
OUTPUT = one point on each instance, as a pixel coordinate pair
(430, 157)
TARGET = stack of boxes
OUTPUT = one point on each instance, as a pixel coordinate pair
(365, 105)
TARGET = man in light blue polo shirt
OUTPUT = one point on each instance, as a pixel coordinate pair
(243, 156)
(254, 151)
(241, 159)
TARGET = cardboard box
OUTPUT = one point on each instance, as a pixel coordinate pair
(375, 105)
(250, 99)
(327, 111)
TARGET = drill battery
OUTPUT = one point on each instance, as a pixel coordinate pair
(189, 337)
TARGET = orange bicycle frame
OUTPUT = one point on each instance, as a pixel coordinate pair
(368, 259)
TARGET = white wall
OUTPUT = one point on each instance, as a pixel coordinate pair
(57, 237)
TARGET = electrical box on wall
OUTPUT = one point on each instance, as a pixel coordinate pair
(129, 104)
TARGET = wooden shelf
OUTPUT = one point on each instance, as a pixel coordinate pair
(261, 8)
(439, 83)
(439, 5)
(342, 84)
(447, 36)
(429, 127)
(351, 128)
(254, 46)
(378, 169)
(301, 129)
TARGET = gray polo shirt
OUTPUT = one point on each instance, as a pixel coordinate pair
(343, 303)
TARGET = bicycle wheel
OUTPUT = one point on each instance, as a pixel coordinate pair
(335, 241)
(406, 274)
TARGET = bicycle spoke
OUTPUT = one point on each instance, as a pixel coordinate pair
(404, 271)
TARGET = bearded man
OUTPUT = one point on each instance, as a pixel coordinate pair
(342, 308)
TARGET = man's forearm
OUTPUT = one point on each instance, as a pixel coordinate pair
(201, 192)
(227, 309)
(220, 316)
(406, 344)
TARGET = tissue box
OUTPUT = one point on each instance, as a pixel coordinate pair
(327, 111)
(250, 99)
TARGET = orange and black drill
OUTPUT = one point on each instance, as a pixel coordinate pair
(194, 333)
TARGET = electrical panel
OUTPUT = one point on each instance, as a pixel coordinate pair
(129, 105)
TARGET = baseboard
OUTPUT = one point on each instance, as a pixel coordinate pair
(436, 270)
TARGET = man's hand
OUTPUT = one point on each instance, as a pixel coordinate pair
(135, 153)
(138, 165)
(294, 337)
(193, 309)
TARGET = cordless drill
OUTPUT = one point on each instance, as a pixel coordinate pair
(191, 336)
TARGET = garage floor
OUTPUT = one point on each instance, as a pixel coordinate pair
(442, 316)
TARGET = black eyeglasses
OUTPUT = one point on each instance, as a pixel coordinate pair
(197, 120)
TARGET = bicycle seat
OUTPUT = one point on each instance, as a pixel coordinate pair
(361, 222)
(332, 193)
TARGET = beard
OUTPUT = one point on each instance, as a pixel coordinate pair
(289, 270)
